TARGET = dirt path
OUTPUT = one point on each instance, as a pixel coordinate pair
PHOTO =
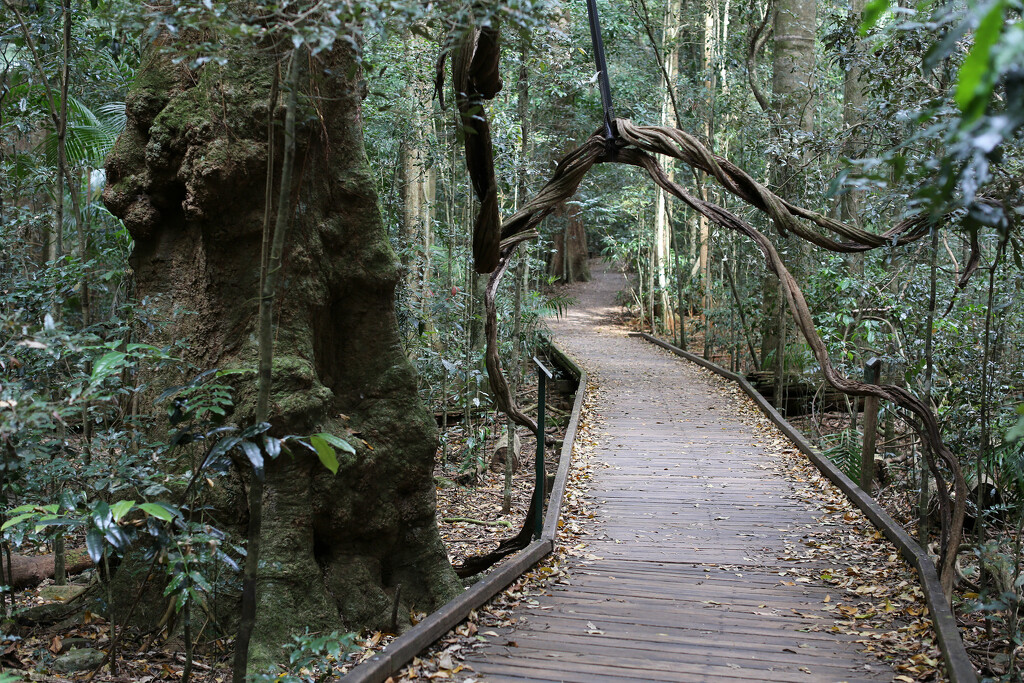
(693, 570)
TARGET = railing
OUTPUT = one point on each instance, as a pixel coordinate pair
(958, 663)
(401, 650)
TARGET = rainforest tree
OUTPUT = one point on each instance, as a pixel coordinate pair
(187, 179)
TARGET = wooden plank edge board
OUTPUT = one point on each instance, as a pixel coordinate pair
(958, 663)
(565, 457)
(402, 649)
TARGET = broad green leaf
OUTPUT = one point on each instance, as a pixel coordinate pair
(337, 442)
(116, 536)
(872, 13)
(271, 446)
(175, 583)
(108, 364)
(101, 516)
(972, 90)
(94, 544)
(200, 580)
(157, 510)
(44, 522)
(222, 447)
(253, 430)
(16, 519)
(255, 456)
(226, 559)
(326, 454)
(121, 508)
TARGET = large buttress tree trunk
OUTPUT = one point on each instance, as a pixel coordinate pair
(187, 177)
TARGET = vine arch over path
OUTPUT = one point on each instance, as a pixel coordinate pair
(636, 146)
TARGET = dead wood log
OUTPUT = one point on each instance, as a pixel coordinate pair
(32, 570)
(499, 454)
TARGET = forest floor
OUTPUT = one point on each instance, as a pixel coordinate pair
(891, 615)
(470, 520)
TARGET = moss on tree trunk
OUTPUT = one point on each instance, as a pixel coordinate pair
(187, 178)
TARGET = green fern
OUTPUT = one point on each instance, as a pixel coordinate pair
(556, 305)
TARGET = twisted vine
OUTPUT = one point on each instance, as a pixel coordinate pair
(636, 145)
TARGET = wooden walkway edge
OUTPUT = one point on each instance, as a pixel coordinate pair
(399, 652)
(958, 662)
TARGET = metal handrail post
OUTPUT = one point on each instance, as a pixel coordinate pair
(543, 374)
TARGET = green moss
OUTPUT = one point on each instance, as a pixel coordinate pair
(335, 548)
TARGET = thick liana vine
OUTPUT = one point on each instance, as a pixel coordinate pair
(635, 145)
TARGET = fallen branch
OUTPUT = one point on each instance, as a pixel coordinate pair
(481, 522)
(31, 570)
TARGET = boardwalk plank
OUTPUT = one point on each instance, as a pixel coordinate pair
(690, 544)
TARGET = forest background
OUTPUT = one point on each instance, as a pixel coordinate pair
(868, 112)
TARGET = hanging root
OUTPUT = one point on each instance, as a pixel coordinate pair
(635, 146)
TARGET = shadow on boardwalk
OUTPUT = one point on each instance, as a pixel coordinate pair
(692, 545)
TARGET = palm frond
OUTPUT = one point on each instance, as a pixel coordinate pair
(91, 134)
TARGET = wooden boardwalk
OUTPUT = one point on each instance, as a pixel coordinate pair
(691, 531)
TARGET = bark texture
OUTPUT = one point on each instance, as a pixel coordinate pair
(32, 570)
(853, 116)
(795, 22)
(570, 256)
(187, 178)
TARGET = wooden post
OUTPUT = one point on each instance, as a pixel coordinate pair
(872, 369)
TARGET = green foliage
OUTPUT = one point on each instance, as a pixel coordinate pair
(324, 444)
(312, 658)
(939, 132)
(843, 449)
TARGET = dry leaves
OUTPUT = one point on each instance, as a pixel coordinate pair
(877, 596)
(483, 623)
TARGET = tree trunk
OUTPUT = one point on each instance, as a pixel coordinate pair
(853, 103)
(570, 259)
(792, 90)
(186, 177)
(418, 193)
(663, 220)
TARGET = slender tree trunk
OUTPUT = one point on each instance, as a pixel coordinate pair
(511, 454)
(923, 521)
(418, 188)
(985, 426)
(793, 104)
(663, 221)
(271, 259)
(681, 332)
(853, 104)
